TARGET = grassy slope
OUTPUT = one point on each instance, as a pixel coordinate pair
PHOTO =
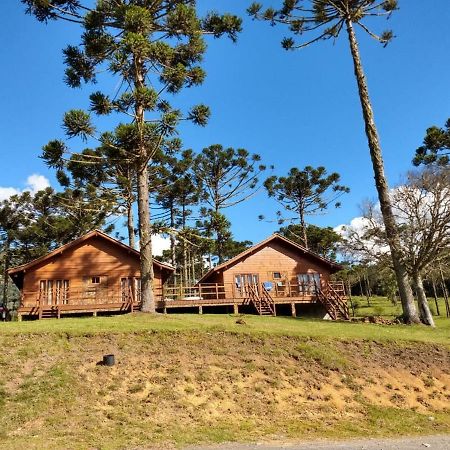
(189, 378)
(254, 325)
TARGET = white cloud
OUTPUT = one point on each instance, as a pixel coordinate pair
(6, 192)
(358, 224)
(33, 184)
(36, 183)
(159, 244)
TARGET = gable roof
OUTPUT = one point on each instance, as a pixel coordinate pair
(91, 234)
(275, 237)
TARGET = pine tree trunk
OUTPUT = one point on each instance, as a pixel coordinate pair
(130, 226)
(303, 226)
(145, 241)
(145, 235)
(424, 308)
(433, 283)
(361, 291)
(6, 263)
(350, 298)
(404, 286)
(185, 263)
(444, 293)
(367, 286)
(219, 236)
(219, 247)
(173, 256)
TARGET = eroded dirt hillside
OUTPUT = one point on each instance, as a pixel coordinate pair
(173, 388)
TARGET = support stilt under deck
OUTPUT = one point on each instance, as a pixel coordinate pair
(293, 310)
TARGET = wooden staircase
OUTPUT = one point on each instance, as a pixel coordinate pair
(260, 298)
(333, 298)
(50, 312)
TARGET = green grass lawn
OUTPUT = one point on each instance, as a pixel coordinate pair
(139, 322)
(381, 306)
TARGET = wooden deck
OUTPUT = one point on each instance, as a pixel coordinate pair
(264, 301)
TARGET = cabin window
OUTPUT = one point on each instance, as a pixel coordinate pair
(54, 292)
(246, 278)
(276, 275)
(95, 280)
(308, 283)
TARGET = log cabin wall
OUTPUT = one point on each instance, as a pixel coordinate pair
(274, 257)
(94, 264)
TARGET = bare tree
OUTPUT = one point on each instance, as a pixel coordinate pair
(422, 210)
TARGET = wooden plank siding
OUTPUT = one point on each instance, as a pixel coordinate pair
(93, 258)
(272, 257)
(91, 270)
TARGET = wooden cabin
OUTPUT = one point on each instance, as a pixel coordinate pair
(94, 273)
(97, 273)
(275, 272)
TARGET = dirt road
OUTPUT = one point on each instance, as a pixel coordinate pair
(412, 443)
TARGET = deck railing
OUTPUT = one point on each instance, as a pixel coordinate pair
(78, 297)
(209, 291)
(214, 292)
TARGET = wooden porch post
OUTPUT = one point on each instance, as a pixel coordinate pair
(200, 309)
(293, 310)
(235, 309)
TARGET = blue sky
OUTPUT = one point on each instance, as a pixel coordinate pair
(293, 108)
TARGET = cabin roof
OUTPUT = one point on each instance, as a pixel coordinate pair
(91, 234)
(334, 267)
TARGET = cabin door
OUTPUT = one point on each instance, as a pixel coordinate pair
(130, 288)
(54, 292)
(244, 281)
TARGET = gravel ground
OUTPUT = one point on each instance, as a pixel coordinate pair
(411, 443)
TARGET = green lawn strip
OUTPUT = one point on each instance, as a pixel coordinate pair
(381, 306)
(138, 322)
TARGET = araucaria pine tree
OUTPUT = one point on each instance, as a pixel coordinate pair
(303, 193)
(154, 48)
(311, 21)
(435, 148)
(227, 177)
